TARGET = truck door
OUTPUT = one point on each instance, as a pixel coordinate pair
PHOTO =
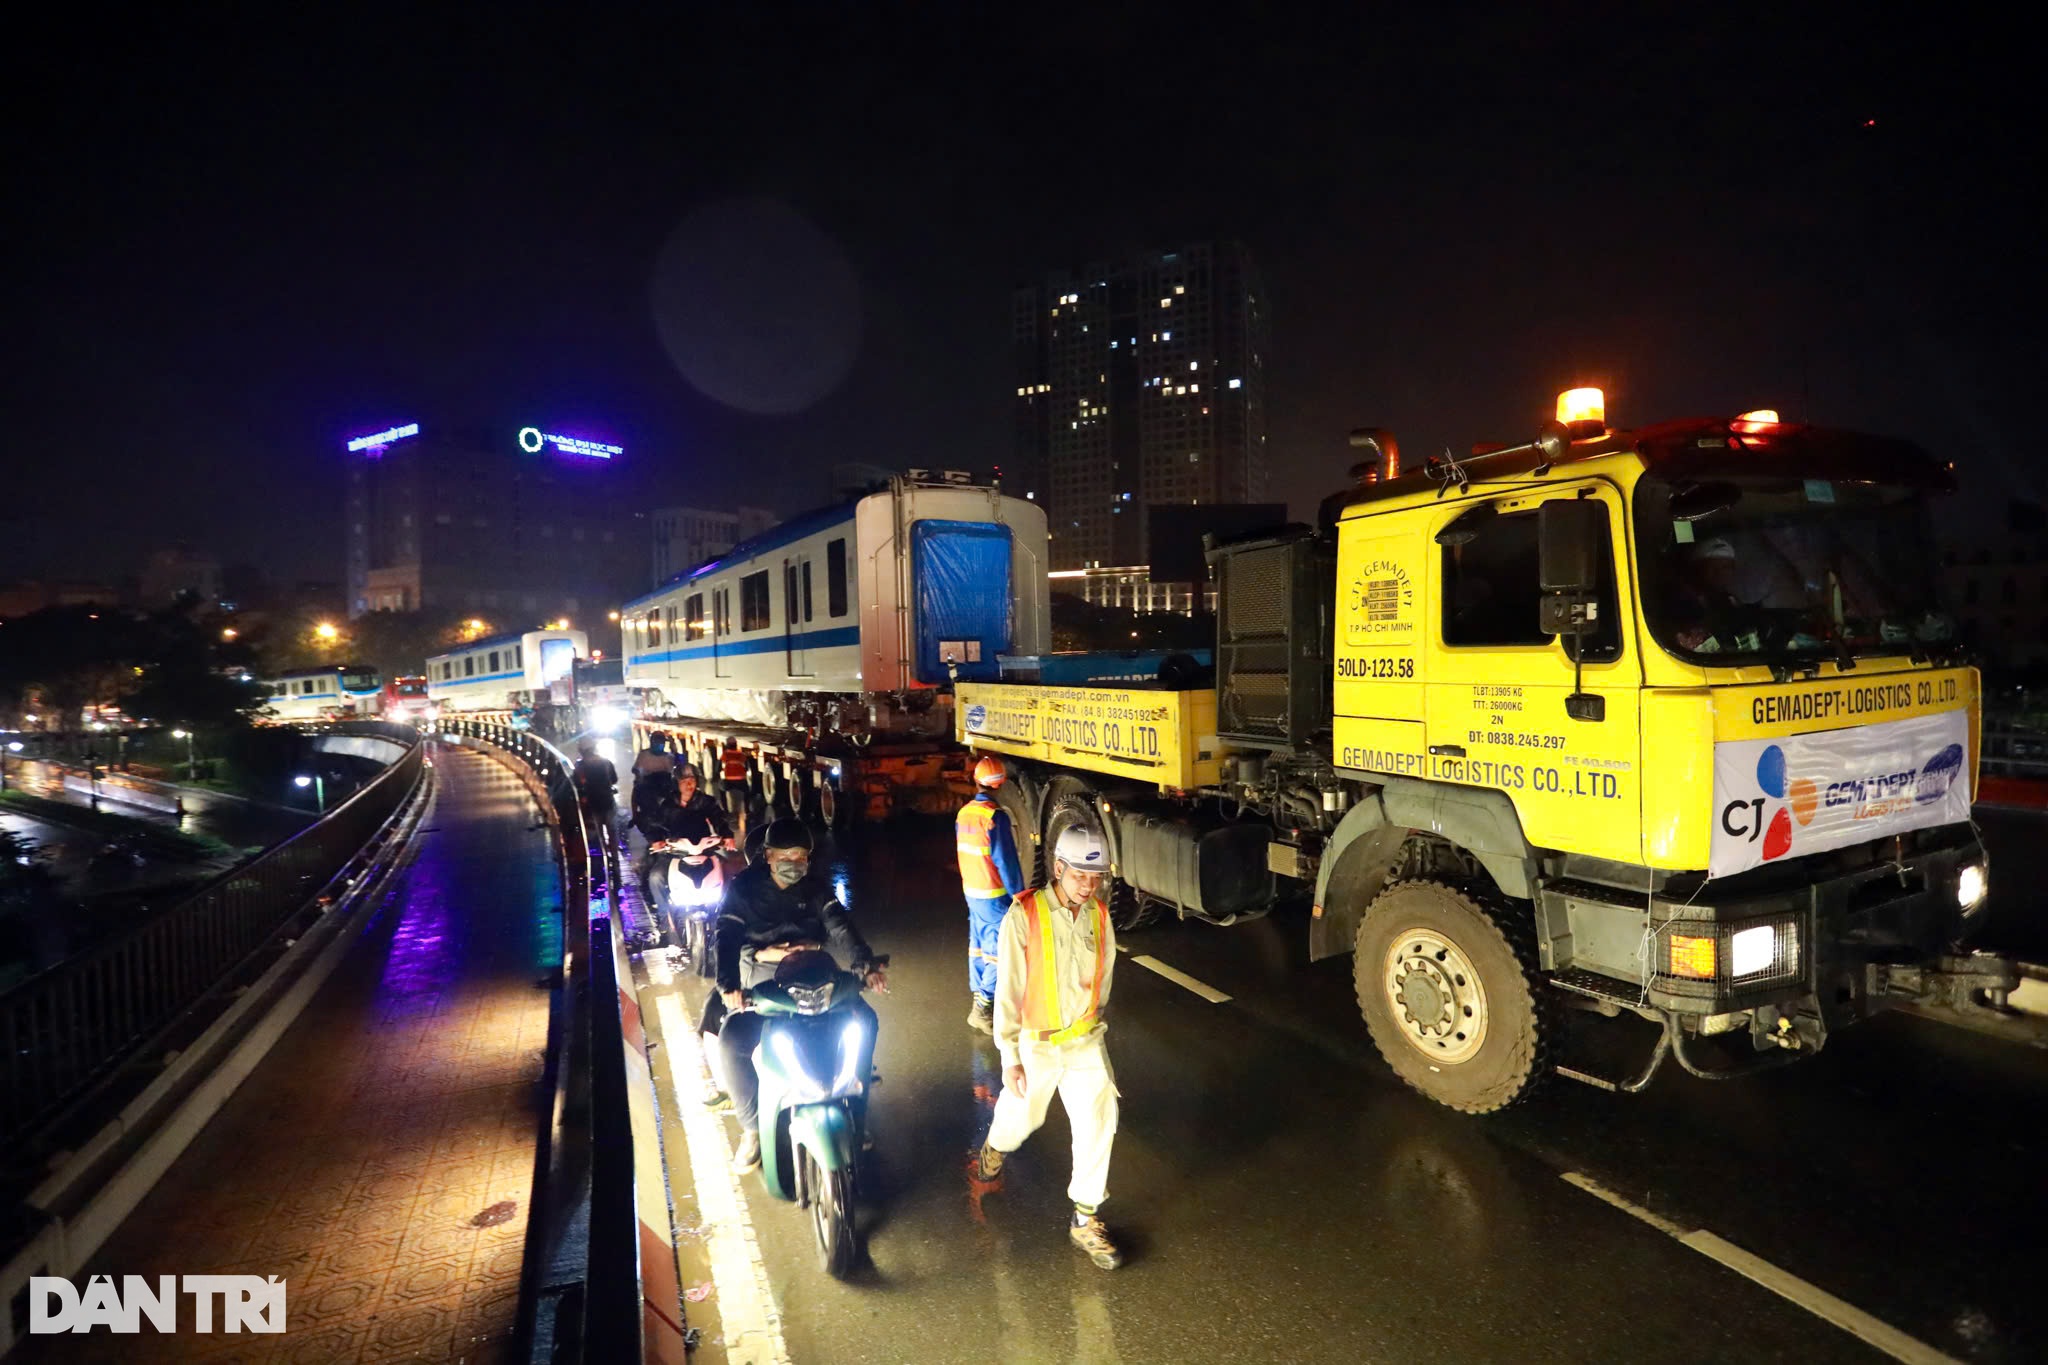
(1495, 712)
(796, 616)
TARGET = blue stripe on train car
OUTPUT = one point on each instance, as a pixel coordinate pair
(809, 639)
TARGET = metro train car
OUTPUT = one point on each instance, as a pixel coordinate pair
(504, 672)
(848, 620)
(327, 693)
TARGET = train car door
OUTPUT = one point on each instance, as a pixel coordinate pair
(796, 615)
(721, 626)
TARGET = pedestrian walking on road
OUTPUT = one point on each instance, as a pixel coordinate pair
(990, 875)
(597, 791)
(1052, 988)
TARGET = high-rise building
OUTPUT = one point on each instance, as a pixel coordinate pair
(519, 526)
(1139, 381)
(685, 537)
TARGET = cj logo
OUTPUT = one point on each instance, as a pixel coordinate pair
(977, 716)
(1745, 819)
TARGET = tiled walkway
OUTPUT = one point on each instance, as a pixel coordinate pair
(381, 1158)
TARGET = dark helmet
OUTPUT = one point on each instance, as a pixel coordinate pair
(788, 834)
(658, 741)
(687, 772)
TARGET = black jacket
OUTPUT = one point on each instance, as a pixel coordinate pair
(699, 818)
(597, 783)
(757, 912)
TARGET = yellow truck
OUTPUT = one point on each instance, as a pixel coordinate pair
(1664, 722)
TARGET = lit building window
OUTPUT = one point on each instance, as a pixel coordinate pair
(1194, 364)
(1180, 289)
(1166, 336)
(1166, 303)
(1237, 383)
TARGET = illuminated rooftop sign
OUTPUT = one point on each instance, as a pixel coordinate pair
(533, 439)
(384, 438)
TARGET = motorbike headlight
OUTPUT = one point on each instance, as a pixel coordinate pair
(852, 1039)
(807, 1086)
(812, 999)
(1973, 884)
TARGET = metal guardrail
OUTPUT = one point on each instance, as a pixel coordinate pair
(581, 1293)
(64, 1030)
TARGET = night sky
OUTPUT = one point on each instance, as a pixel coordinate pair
(748, 246)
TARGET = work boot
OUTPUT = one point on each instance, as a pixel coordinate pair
(1086, 1232)
(718, 1102)
(988, 1165)
(982, 1015)
(749, 1154)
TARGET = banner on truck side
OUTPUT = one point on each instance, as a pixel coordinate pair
(1782, 798)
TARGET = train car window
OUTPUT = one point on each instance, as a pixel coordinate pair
(519, 656)
(835, 578)
(693, 616)
(789, 601)
(756, 609)
(807, 590)
(469, 666)
(493, 665)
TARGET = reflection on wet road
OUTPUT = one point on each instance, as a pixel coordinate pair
(1281, 1197)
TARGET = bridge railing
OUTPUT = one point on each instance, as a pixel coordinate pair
(67, 1029)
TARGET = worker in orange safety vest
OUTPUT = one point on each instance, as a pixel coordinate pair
(990, 874)
(1053, 971)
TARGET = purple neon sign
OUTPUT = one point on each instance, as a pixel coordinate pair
(378, 440)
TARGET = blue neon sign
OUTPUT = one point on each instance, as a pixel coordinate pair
(379, 440)
(532, 440)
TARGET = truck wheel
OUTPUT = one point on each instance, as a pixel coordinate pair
(1127, 911)
(1448, 984)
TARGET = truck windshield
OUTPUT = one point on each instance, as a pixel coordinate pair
(1753, 569)
(359, 682)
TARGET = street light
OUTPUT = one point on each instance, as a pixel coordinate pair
(326, 631)
(191, 759)
(319, 788)
(13, 747)
(229, 633)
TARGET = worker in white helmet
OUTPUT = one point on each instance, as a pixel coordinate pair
(1053, 966)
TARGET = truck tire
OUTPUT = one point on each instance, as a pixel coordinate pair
(1448, 984)
(1071, 804)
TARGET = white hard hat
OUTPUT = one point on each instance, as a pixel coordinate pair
(1081, 849)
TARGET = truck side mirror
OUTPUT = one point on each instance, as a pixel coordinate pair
(1569, 536)
(1569, 532)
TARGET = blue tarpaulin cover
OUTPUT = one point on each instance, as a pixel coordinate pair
(962, 569)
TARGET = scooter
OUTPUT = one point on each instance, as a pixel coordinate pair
(815, 1059)
(693, 884)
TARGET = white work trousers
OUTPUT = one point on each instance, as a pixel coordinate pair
(1079, 1072)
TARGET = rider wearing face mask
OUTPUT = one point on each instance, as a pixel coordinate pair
(777, 900)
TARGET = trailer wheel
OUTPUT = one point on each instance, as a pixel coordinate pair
(1448, 984)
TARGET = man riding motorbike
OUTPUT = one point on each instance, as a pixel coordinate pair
(773, 906)
(681, 813)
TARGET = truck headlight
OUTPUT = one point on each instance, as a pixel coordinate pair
(1750, 951)
(1973, 884)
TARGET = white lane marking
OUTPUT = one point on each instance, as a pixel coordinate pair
(746, 1303)
(1783, 1283)
(1181, 978)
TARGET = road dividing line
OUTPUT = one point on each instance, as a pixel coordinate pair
(746, 1304)
(1783, 1283)
(1182, 979)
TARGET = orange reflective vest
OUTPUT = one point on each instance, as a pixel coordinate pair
(974, 837)
(1042, 1019)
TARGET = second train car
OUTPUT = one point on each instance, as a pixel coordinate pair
(504, 672)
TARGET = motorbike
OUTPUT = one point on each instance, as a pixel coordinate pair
(693, 886)
(816, 1061)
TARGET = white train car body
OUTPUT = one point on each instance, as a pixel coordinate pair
(504, 672)
(849, 619)
(328, 693)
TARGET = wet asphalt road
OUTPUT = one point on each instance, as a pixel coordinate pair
(1281, 1196)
